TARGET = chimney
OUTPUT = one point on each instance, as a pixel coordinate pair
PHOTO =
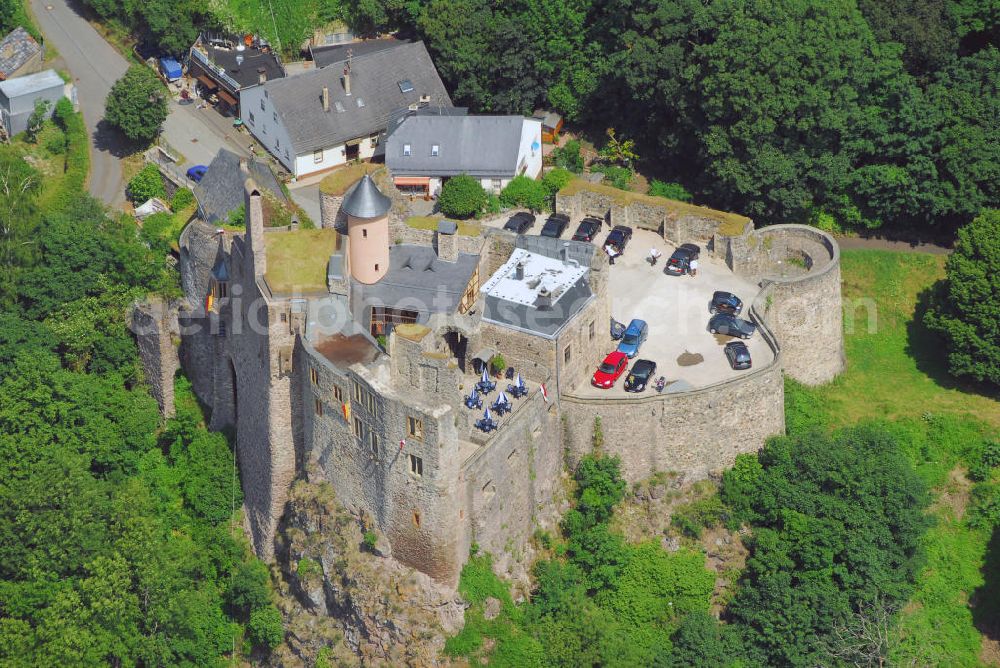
(326, 99)
(254, 208)
(347, 81)
(519, 271)
(564, 253)
(244, 167)
(543, 302)
(261, 75)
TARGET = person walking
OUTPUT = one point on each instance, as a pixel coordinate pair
(693, 267)
(654, 255)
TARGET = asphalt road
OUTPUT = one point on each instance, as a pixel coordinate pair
(95, 66)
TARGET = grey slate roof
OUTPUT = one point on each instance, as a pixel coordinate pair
(245, 72)
(365, 200)
(328, 55)
(17, 48)
(221, 189)
(375, 81)
(417, 280)
(482, 146)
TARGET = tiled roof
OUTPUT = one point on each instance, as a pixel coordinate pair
(481, 146)
(17, 48)
(221, 189)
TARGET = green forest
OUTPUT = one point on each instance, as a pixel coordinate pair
(120, 541)
(844, 113)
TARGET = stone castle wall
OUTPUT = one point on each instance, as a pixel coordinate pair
(157, 334)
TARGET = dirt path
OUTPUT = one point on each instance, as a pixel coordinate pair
(877, 243)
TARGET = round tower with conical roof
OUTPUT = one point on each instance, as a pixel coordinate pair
(367, 212)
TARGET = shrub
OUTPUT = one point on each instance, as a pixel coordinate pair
(52, 139)
(265, 627)
(182, 199)
(556, 179)
(498, 363)
(77, 155)
(691, 518)
(569, 156)
(369, 540)
(493, 205)
(37, 118)
(462, 197)
(522, 191)
(619, 177)
(238, 216)
(146, 184)
(669, 190)
(966, 311)
(250, 588)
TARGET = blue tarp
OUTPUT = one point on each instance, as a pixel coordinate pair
(170, 68)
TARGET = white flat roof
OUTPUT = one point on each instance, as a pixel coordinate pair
(30, 83)
(540, 272)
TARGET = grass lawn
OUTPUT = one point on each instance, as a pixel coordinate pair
(297, 261)
(465, 228)
(897, 371)
(339, 180)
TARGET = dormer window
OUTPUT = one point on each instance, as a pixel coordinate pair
(405, 86)
(406, 149)
(435, 149)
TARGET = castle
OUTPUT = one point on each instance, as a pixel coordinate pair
(345, 354)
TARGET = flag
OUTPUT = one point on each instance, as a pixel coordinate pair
(545, 395)
(347, 410)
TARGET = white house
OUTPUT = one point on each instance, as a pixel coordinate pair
(324, 118)
(424, 149)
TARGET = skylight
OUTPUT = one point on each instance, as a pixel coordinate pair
(361, 103)
(339, 106)
(406, 86)
(435, 149)
(406, 149)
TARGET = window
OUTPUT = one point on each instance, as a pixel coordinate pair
(275, 115)
(376, 267)
(338, 394)
(251, 118)
(364, 233)
(319, 406)
(373, 140)
(497, 185)
(359, 428)
(591, 330)
(221, 290)
(314, 375)
(405, 86)
(357, 392)
(416, 519)
(262, 105)
(406, 149)
(435, 149)
(360, 102)
(365, 398)
(416, 465)
(284, 317)
(373, 444)
(415, 427)
(317, 156)
(489, 489)
(566, 355)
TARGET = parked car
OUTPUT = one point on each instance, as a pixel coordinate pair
(196, 173)
(619, 237)
(635, 335)
(610, 370)
(587, 229)
(520, 223)
(555, 225)
(680, 262)
(640, 375)
(730, 325)
(725, 302)
(738, 355)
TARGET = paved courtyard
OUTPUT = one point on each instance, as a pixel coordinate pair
(676, 309)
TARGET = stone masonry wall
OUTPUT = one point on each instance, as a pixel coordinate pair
(157, 333)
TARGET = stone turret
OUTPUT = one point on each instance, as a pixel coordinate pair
(367, 212)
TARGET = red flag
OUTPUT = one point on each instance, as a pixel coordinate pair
(545, 395)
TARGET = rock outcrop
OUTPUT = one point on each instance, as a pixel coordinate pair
(338, 593)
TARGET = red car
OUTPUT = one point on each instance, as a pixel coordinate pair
(610, 370)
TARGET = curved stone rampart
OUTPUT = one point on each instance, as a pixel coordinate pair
(695, 432)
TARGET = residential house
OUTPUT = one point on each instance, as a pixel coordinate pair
(19, 95)
(20, 54)
(424, 150)
(321, 119)
(224, 66)
(220, 191)
(552, 124)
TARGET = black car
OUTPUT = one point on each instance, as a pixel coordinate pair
(619, 237)
(725, 302)
(738, 355)
(520, 223)
(680, 262)
(555, 225)
(587, 230)
(640, 375)
(730, 325)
